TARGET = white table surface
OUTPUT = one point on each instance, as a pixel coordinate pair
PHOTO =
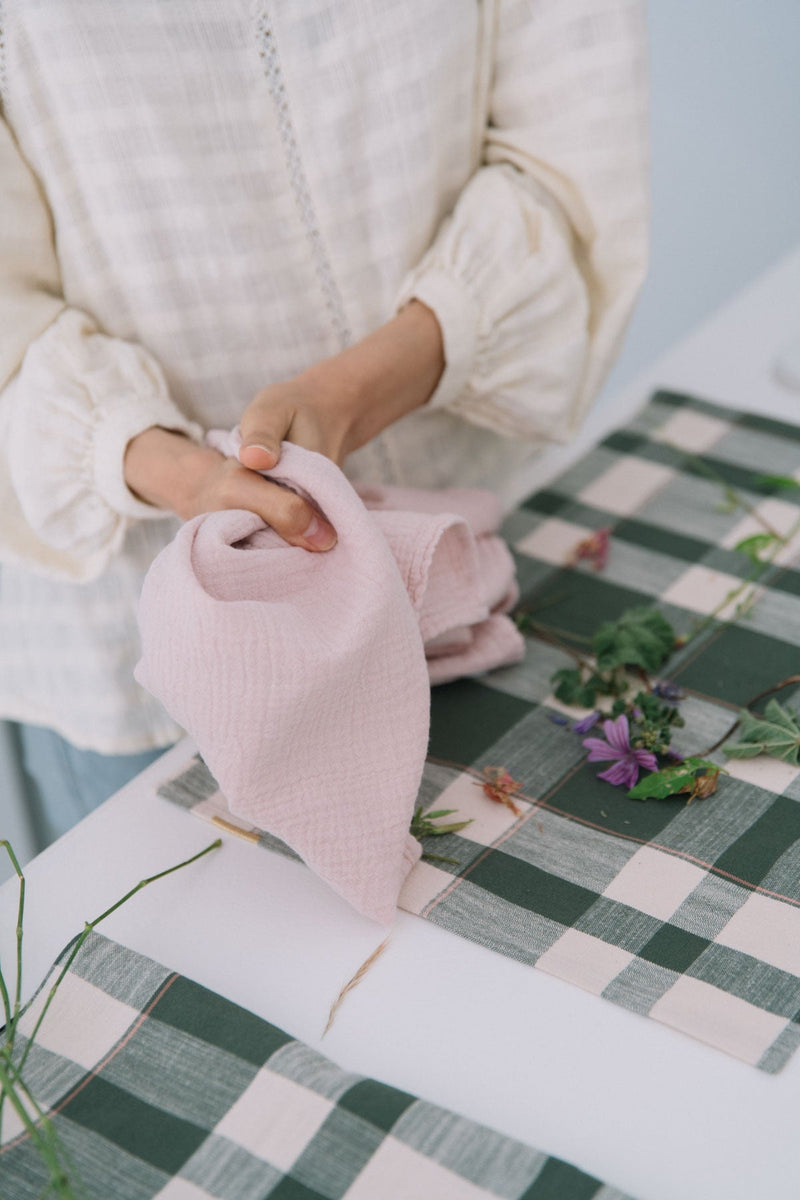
(645, 1108)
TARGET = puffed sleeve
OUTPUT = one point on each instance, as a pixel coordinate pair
(71, 400)
(534, 274)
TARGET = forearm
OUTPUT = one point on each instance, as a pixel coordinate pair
(388, 374)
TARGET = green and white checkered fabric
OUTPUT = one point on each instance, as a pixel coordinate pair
(158, 1087)
(688, 914)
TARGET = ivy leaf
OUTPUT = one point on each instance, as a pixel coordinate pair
(777, 481)
(754, 545)
(641, 637)
(777, 733)
(698, 776)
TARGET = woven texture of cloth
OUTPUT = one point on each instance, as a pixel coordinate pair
(689, 914)
(159, 1087)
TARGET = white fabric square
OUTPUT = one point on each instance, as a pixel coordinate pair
(423, 884)
(182, 1189)
(767, 929)
(584, 960)
(654, 882)
(553, 541)
(687, 428)
(82, 1024)
(396, 1172)
(626, 486)
(777, 513)
(717, 1018)
(489, 818)
(701, 590)
(274, 1118)
(764, 772)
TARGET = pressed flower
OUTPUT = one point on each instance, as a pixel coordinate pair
(498, 785)
(594, 548)
(617, 748)
(586, 723)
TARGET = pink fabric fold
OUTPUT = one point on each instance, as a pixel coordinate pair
(303, 678)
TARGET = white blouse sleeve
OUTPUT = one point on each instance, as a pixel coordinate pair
(534, 274)
(71, 400)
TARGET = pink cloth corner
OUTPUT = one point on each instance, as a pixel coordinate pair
(302, 677)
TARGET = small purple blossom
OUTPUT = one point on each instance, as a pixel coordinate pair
(617, 746)
(669, 691)
(557, 718)
(586, 723)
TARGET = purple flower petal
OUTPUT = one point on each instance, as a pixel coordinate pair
(586, 723)
(618, 733)
(600, 751)
(646, 759)
(624, 773)
(557, 718)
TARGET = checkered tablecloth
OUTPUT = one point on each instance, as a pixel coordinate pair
(158, 1087)
(688, 914)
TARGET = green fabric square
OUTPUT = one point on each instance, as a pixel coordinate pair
(663, 541)
(377, 1103)
(560, 1181)
(148, 1133)
(673, 948)
(528, 886)
(546, 502)
(196, 1010)
(466, 718)
(574, 602)
(624, 442)
(779, 429)
(607, 807)
(752, 855)
(736, 664)
(292, 1189)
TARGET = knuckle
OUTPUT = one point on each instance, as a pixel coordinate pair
(295, 515)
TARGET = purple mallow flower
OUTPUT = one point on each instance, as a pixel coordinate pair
(586, 723)
(617, 746)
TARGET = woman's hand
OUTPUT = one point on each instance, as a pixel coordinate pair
(333, 408)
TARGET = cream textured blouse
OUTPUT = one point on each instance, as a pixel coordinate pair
(198, 198)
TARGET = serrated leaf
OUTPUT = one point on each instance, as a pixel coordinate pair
(641, 637)
(777, 734)
(777, 481)
(681, 778)
(755, 545)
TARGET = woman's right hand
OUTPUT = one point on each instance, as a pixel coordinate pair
(168, 470)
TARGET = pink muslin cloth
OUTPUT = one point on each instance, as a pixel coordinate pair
(302, 677)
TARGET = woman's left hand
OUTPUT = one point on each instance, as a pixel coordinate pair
(343, 402)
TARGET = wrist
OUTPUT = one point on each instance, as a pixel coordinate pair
(166, 469)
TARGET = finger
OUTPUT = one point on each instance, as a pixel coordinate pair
(292, 517)
(263, 428)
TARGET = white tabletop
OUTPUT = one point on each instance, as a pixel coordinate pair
(647, 1109)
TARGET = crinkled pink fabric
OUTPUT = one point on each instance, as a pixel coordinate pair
(303, 678)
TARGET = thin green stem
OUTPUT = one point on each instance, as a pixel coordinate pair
(709, 472)
(90, 925)
(15, 1080)
(40, 1140)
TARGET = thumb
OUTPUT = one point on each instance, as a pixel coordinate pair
(262, 433)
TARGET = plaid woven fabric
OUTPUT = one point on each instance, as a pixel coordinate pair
(158, 1087)
(689, 914)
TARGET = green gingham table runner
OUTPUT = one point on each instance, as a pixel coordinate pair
(158, 1087)
(688, 914)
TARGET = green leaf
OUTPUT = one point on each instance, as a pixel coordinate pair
(680, 778)
(777, 733)
(641, 637)
(755, 545)
(572, 690)
(777, 481)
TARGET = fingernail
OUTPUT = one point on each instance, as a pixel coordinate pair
(319, 535)
(256, 446)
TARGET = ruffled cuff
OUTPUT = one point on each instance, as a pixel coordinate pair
(80, 397)
(513, 308)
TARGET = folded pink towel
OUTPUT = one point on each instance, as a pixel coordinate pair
(302, 677)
